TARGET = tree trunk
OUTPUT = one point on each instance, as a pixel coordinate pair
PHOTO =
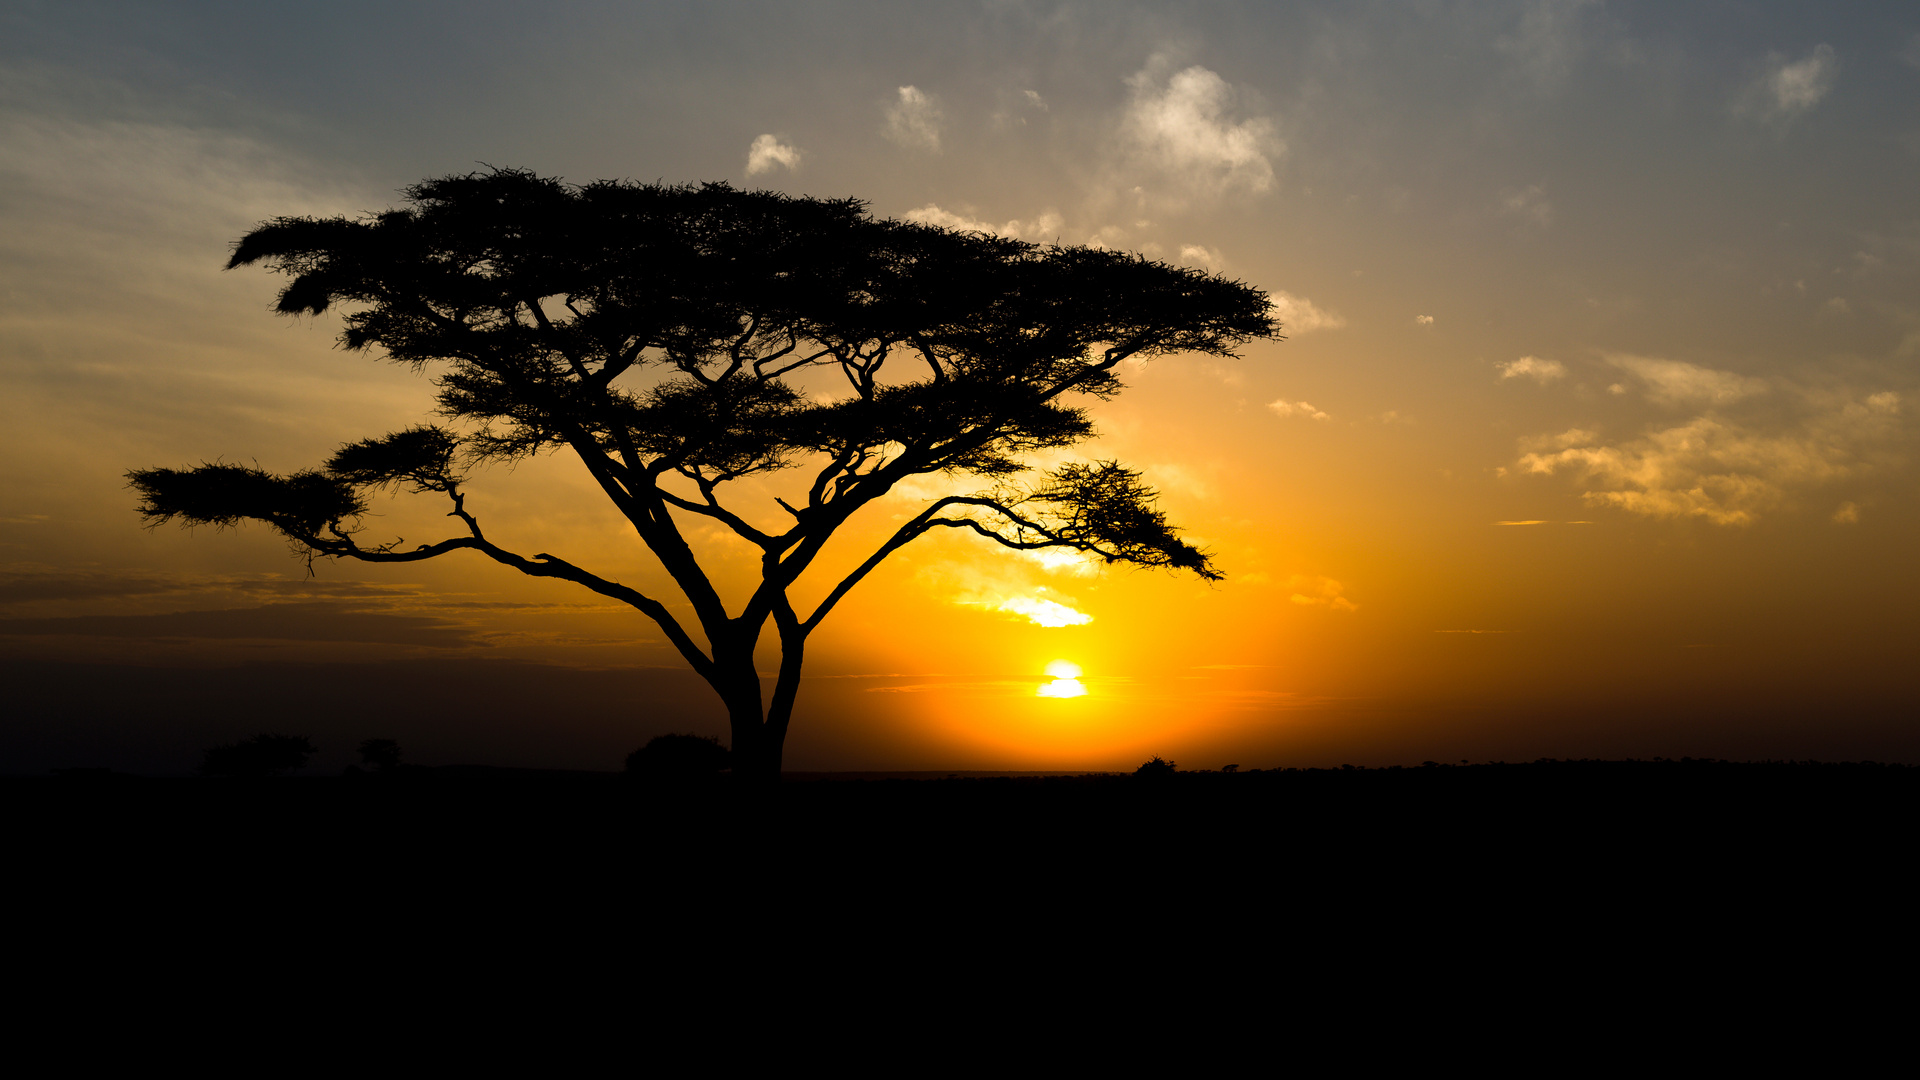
(756, 751)
(756, 747)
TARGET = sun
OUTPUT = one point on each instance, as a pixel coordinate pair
(1066, 681)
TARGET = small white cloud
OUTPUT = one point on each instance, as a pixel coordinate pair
(1532, 367)
(913, 120)
(1034, 99)
(1320, 592)
(1296, 408)
(1847, 514)
(1528, 203)
(1836, 306)
(1299, 315)
(1788, 88)
(1180, 126)
(1423, 320)
(1195, 255)
(768, 153)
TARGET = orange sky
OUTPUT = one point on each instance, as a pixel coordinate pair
(1592, 435)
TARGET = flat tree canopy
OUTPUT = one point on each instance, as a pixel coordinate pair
(654, 332)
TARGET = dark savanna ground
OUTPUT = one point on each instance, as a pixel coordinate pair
(1586, 898)
(1634, 832)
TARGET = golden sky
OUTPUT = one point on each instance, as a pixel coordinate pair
(1592, 434)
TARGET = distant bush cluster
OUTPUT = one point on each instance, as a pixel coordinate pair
(679, 757)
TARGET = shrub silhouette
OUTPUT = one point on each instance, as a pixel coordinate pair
(382, 755)
(1155, 767)
(262, 755)
(679, 757)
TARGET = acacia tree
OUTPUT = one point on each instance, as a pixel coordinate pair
(658, 334)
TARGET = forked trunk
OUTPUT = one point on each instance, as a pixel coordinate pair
(756, 744)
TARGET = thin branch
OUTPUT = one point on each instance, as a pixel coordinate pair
(541, 565)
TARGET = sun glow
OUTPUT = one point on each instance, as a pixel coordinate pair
(1066, 681)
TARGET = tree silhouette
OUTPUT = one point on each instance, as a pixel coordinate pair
(659, 333)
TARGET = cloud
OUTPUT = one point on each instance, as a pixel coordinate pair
(1788, 88)
(1034, 99)
(1722, 469)
(1847, 514)
(1543, 47)
(1532, 367)
(1296, 408)
(1041, 229)
(768, 153)
(913, 121)
(1527, 203)
(1195, 255)
(1179, 126)
(1320, 592)
(284, 622)
(1423, 320)
(1299, 315)
(1043, 612)
(1675, 382)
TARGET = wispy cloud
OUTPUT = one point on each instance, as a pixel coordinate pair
(1722, 469)
(768, 153)
(1546, 42)
(1179, 126)
(1042, 229)
(913, 120)
(1529, 204)
(1532, 367)
(1787, 88)
(1678, 383)
(1313, 591)
(1296, 408)
(1043, 612)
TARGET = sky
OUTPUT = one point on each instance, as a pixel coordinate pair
(1592, 433)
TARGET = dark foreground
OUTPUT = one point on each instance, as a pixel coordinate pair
(500, 829)
(1546, 856)
(1535, 897)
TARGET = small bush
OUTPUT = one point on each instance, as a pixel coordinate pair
(679, 757)
(380, 754)
(1156, 766)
